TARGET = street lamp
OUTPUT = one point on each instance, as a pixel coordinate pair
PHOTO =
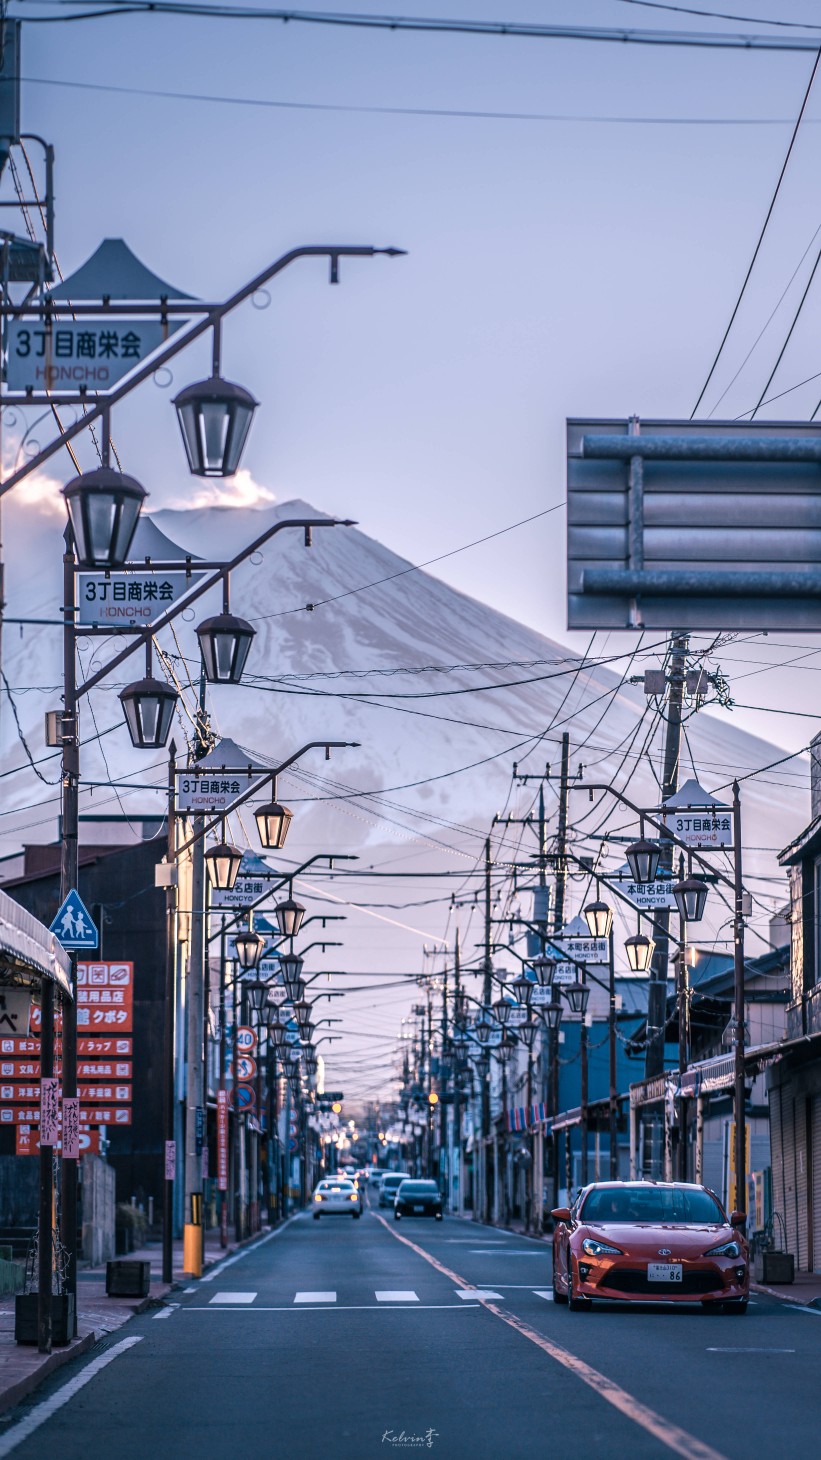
(289, 915)
(523, 989)
(577, 995)
(552, 1013)
(599, 917)
(639, 950)
(257, 991)
(483, 1025)
(527, 1033)
(148, 705)
(643, 859)
(302, 1009)
(103, 507)
(691, 896)
(225, 641)
(249, 948)
(215, 418)
(223, 862)
(544, 968)
(291, 965)
(273, 821)
(502, 1009)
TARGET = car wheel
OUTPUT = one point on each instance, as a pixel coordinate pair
(356, 1216)
(735, 1305)
(438, 1216)
(397, 1216)
(557, 1296)
(574, 1303)
(316, 1216)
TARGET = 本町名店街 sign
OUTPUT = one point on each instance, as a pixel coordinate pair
(95, 353)
(129, 597)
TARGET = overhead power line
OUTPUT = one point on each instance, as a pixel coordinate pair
(433, 25)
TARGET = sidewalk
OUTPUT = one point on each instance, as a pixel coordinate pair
(22, 1368)
(806, 1290)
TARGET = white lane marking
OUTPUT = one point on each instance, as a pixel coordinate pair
(801, 1308)
(750, 1350)
(344, 1308)
(315, 1298)
(467, 1242)
(509, 1287)
(215, 1272)
(189, 1290)
(508, 1252)
(546, 1293)
(476, 1293)
(233, 1298)
(44, 1411)
(400, 1295)
(166, 1311)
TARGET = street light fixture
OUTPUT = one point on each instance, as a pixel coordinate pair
(577, 995)
(691, 896)
(643, 859)
(249, 946)
(544, 968)
(103, 508)
(257, 991)
(302, 1009)
(527, 1033)
(273, 821)
(599, 917)
(639, 950)
(289, 915)
(223, 862)
(483, 1025)
(291, 965)
(502, 1009)
(523, 989)
(225, 641)
(552, 1013)
(148, 705)
(215, 418)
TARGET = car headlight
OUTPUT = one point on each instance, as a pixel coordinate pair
(724, 1249)
(592, 1248)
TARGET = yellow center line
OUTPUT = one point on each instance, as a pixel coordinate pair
(662, 1429)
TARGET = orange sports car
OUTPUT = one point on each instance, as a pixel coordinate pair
(649, 1241)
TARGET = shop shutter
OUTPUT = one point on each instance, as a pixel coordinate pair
(801, 1181)
(816, 1181)
(784, 1173)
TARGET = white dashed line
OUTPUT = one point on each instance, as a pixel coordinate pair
(237, 1298)
(315, 1298)
(167, 1310)
(396, 1297)
(546, 1293)
(44, 1411)
(477, 1293)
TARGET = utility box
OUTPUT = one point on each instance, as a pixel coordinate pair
(128, 1279)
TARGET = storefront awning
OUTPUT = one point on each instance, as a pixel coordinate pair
(28, 951)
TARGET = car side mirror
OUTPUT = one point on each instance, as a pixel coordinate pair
(738, 1219)
(561, 1214)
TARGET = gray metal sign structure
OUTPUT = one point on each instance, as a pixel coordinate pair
(694, 525)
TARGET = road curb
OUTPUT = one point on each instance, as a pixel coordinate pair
(814, 1303)
(74, 1350)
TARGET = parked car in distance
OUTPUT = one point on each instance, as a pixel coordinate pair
(390, 1183)
(375, 1175)
(650, 1241)
(335, 1197)
(417, 1199)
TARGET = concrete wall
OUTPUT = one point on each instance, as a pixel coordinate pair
(98, 1210)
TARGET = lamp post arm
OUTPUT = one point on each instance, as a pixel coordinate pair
(317, 857)
(660, 826)
(95, 411)
(270, 775)
(141, 637)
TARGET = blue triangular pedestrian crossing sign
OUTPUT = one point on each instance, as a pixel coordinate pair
(73, 925)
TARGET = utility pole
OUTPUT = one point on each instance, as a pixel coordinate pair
(169, 1152)
(457, 1106)
(487, 991)
(657, 990)
(740, 1011)
(68, 880)
(195, 1001)
(561, 836)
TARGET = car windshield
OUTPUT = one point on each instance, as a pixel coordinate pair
(668, 1205)
(419, 1188)
(392, 1180)
(335, 1186)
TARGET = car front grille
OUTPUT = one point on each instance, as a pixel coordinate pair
(627, 1280)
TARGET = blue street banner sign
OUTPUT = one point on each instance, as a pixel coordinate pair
(73, 926)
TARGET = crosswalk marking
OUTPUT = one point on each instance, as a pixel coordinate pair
(315, 1298)
(401, 1296)
(233, 1298)
(546, 1293)
(476, 1293)
(166, 1311)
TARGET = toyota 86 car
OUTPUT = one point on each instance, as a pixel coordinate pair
(650, 1241)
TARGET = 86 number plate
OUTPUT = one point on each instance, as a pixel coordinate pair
(664, 1272)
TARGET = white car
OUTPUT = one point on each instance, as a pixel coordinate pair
(336, 1198)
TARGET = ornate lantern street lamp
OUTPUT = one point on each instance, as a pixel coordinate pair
(691, 896)
(103, 508)
(599, 917)
(148, 705)
(223, 862)
(273, 821)
(225, 641)
(577, 995)
(289, 915)
(544, 968)
(523, 989)
(639, 950)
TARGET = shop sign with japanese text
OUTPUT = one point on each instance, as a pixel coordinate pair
(702, 829)
(94, 353)
(213, 791)
(135, 596)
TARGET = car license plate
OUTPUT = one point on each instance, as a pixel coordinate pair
(664, 1272)
(419, 1208)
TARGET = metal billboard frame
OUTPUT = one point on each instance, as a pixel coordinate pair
(694, 525)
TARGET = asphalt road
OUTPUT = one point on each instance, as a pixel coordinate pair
(335, 1339)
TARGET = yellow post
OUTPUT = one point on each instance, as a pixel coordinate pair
(192, 1239)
